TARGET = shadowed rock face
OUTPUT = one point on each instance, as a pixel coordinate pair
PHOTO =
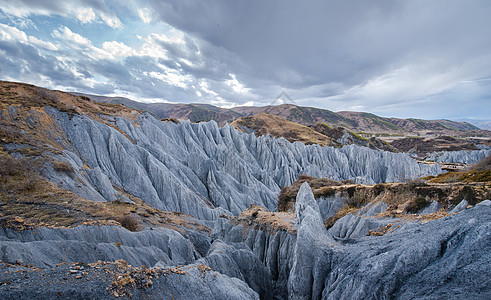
(204, 170)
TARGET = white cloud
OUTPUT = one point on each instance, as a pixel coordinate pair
(146, 14)
(12, 33)
(236, 85)
(84, 11)
(118, 49)
(66, 34)
(171, 77)
(111, 20)
(86, 14)
(42, 44)
(152, 48)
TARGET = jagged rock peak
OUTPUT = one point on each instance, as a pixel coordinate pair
(305, 198)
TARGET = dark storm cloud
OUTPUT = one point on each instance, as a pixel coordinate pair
(396, 58)
(317, 41)
(298, 44)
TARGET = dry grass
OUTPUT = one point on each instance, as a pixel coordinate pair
(129, 222)
(27, 200)
(276, 126)
(24, 119)
(63, 166)
(320, 187)
(347, 209)
(257, 217)
(464, 176)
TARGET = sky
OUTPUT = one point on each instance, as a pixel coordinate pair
(425, 59)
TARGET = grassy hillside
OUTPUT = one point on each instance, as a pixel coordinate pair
(353, 121)
(264, 123)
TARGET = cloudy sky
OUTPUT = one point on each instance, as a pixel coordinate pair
(417, 58)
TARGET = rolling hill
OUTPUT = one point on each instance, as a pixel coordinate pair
(320, 133)
(353, 121)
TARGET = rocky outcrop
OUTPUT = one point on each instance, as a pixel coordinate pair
(47, 247)
(204, 170)
(312, 249)
(273, 250)
(238, 261)
(446, 257)
(463, 156)
(107, 281)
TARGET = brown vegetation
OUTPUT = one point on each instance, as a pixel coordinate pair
(481, 172)
(257, 217)
(276, 126)
(63, 166)
(403, 198)
(27, 200)
(320, 187)
(129, 222)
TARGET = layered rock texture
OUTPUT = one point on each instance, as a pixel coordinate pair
(201, 169)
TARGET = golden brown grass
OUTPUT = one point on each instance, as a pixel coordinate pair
(257, 217)
(24, 119)
(463, 176)
(276, 126)
(404, 199)
(27, 200)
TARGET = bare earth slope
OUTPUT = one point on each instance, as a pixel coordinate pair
(320, 133)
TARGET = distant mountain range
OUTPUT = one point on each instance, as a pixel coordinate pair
(320, 133)
(353, 121)
(483, 124)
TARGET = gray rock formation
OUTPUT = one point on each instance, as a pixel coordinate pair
(239, 261)
(193, 283)
(462, 156)
(305, 199)
(46, 247)
(460, 207)
(432, 208)
(328, 206)
(204, 170)
(274, 250)
(447, 257)
(311, 249)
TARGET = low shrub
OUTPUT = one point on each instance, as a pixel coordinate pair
(484, 164)
(468, 194)
(129, 222)
(63, 166)
(416, 204)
